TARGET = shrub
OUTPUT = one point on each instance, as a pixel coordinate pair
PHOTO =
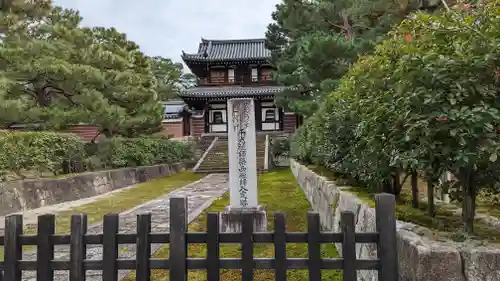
(426, 101)
(38, 152)
(280, 147)
(35, 153)
(144, 151)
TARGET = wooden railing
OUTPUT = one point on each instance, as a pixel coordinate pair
(178, 263)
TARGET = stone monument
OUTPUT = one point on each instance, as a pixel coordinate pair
(242, 168)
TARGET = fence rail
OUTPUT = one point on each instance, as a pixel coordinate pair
(178, 239)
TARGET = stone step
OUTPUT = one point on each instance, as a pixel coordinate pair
(223, 161)
(220, 157)
(211, 171)
(217, 159)
(225, 155)
(208, 158)
(259, 151)
(226, 166)
(218, 163)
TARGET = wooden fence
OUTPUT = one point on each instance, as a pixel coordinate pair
(178, 238)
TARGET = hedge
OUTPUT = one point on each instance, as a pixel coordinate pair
(130, 152)
(425, 102)
(36, 154)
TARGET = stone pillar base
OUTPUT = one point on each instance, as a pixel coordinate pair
(231, 219)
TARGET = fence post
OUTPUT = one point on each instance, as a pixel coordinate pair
(213, 267)
(110, 247)
(314, 246)
(143, 247)
(45, 248)
(280, 265)
(385, 213)
(13, 248)
(348, 246)
(178, 242)
(78, 250)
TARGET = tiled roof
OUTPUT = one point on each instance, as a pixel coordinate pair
(84, 131)
(173, 108)
(231, 91)
(242, 49)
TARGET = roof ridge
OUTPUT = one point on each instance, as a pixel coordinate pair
(226, 49)
(227, 41)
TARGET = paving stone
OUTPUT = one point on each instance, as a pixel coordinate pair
(200, 195)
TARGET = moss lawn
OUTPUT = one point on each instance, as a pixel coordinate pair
(278, 192)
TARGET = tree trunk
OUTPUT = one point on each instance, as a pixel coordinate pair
(397, 185)
(43, 97)
(347, 27)
(414, 189)
(469, 201)
(387, 186)
(431, 208)
(66, 169)
(5, 5)
(107, 133)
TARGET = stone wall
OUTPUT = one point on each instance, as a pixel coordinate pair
(421, 258)
(30, 194)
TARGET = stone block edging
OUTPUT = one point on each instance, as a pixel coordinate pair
(18, 196)
(421, 258)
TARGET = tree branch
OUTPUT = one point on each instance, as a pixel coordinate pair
(445, 5)
(335, 25)
(94, 138)
(31, 93)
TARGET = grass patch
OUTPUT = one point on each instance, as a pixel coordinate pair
(278, 192)
(119, 202)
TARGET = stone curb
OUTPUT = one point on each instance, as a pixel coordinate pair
(421, 258)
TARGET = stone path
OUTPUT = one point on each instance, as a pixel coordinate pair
(30, 217)
(200, 195)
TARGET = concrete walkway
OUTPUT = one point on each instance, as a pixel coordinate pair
(30, 217)
(200, 195)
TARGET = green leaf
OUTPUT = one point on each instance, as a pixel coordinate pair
(493, 157)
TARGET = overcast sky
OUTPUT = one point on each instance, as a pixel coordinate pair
(166, 27)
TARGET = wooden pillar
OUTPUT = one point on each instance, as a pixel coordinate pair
(258, 115)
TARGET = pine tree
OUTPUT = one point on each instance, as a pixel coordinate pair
(314, 43)
(56, 73)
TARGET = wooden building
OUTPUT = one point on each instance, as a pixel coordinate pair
(176, 119)
(232, 69)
